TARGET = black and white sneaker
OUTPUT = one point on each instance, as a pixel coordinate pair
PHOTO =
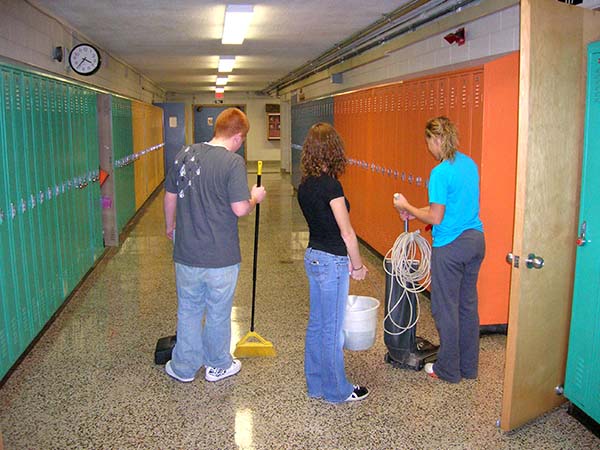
(359, 393)
(216, 374)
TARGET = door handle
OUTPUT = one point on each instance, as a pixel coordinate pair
(513, 260)
(581, 238)
(534, 262)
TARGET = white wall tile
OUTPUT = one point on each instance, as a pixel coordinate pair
(510, 17)
(478, 48)
(483, 26)
(502, 41)
(442, 57)
(459, 54)
(4, 24)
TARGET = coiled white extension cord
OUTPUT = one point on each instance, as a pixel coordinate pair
(411, 274)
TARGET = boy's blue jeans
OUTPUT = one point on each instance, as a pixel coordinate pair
(205, 298)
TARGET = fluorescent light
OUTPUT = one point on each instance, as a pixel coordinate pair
(219, 90)
(222, 81)
(226, 63)
(237, 20)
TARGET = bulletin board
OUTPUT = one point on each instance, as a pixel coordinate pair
(273, 126)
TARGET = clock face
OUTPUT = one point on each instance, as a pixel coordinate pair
(84, 59)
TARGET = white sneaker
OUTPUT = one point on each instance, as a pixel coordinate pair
(429, 370)
(216, 374)
(172, 374)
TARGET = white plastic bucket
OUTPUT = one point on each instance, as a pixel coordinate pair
(360, 324)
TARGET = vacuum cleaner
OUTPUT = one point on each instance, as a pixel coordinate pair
(405, 349)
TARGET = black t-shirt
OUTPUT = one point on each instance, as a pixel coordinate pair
(314, 195)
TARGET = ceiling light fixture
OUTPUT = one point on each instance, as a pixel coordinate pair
(226, 63)
(222, 81)
(237, 20)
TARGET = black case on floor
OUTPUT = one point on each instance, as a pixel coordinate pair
(164, 348)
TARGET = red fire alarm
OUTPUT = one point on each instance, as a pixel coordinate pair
(458, 36)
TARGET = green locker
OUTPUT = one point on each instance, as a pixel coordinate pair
(47, 203)
(65, 162)
(56, 229)
(123, 149)
(96, 246)
(76, 183)
(50, 211)
(582, 381)
(57, 124)
(35, 156)
(20, 257)
(9, 333)
(27, 179)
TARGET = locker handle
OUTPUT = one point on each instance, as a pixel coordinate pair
(581, 240)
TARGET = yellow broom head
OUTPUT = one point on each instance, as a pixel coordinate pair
(253, 345)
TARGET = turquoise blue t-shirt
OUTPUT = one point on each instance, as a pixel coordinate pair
(455, 184)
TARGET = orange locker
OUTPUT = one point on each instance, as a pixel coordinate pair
(147, 138)
(383, 129)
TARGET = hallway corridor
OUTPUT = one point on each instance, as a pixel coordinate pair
(90, 381)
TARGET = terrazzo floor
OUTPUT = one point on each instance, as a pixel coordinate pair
(90, 381)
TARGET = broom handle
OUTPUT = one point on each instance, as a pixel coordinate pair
(258, 177)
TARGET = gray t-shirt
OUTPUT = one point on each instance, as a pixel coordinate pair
(207, 179)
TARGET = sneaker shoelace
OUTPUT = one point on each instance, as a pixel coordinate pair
(217, 372)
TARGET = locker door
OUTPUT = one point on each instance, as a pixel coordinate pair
(48, 198)
(465, 109)
(37, 160)
(85, 219)
(59, 222)
(75, 152)
(22, 229)
(64, 175)
(583, 366)
(10, 340)
(94, 196)
(476, 116)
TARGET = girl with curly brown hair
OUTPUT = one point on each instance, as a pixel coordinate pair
(331, 258)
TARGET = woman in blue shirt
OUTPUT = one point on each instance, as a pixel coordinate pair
(458, 250)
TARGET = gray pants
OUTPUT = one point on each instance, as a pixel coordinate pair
(454, 272)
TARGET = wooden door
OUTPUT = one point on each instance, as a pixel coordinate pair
(551, 112)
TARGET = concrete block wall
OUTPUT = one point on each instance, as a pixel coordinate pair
(28, 35)
(486, 38)
(258, 146)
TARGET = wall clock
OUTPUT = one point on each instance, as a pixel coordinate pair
(84, 59)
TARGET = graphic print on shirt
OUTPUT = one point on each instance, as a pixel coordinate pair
(190, 169)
